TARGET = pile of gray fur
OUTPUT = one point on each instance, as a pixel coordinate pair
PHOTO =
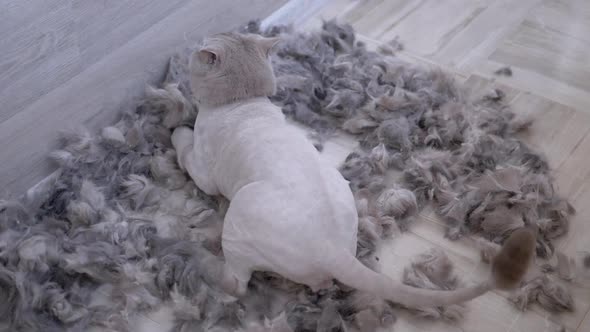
(120, 229)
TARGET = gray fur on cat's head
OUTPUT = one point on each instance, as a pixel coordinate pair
(230, 67)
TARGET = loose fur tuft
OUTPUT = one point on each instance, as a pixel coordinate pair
(176, 109)
(434, 270)
(546, 291)
(398, 203)
(504, 71)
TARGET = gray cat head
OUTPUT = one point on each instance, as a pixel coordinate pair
(230, 67)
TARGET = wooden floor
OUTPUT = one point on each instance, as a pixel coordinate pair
(66, 63)
(55, 61)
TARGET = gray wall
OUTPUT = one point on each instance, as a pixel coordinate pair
(65, 63)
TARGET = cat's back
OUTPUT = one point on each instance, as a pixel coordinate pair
(282, 187)
(259, 127)
(231, 119)
(252, 141)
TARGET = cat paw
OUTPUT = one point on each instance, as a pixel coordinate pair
(182, 139)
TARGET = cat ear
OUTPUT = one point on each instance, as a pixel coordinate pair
(207, 56)
(266, 44)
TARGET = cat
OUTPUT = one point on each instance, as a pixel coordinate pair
(290, 213)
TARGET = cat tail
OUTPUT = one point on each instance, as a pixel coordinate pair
(509, 266)
(356, 275)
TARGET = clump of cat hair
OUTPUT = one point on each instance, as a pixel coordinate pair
(504, 71)
(550, 294)
(434, 270)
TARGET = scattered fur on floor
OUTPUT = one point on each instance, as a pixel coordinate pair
(547, 292)
(391, 47)
(434, 270)
(120, 230)
(564, 266)
(504, 71)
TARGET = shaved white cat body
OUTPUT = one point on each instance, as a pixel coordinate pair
(289, 213)
(284, 201)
